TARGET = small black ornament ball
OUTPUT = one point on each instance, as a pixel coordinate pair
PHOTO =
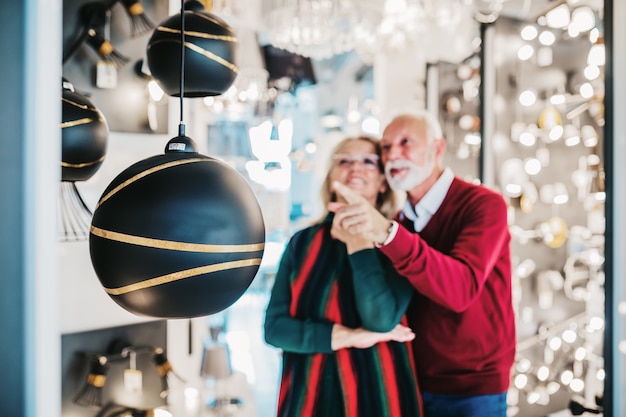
(177, 235)
(84, 133)
(209, 53)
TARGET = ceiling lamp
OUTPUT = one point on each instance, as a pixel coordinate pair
(583, 20)
(84, 134)
(320, 28)
(208, 65)
(249, 93)
(140, 22)
(597, 53)
(251, 81)
(180, 234)
(558, 17)
(438, 30)
(94, 28)
(487, 11)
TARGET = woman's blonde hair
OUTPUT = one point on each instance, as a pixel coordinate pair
(386, 202)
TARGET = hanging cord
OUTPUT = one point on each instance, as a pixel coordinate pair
(181, 125)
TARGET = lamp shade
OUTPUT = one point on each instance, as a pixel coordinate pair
(209, 53)
(84, 134)
(215, 361)
(177, 235)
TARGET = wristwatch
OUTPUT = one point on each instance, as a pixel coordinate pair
(391, 233)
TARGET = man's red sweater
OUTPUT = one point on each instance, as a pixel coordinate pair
(462, 313)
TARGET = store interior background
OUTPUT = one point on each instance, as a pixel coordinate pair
(544, 155)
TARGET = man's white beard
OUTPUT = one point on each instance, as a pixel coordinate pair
(415, 176)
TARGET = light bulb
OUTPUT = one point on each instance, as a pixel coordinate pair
(529, 33)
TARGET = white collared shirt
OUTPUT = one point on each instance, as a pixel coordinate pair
(421, 213)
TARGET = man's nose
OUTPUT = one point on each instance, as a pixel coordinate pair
(392, 153)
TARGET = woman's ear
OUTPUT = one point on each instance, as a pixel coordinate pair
(383, 186)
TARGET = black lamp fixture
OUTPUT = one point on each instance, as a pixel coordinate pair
(84, 134)
(140, 22)
(207, 58)
(93, 24)
(180, 234)
(90, 394)
(165, 370)
(215, 369)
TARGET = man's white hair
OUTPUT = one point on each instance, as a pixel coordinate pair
(433, 127)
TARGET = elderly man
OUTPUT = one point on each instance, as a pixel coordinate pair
(451, 242)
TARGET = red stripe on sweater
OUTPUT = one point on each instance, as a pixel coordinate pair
(346, 371)
(333, 313)
(389, 373)
(285, 388)
(348, 383)
(313, 383)
(305, 270)
(409, 346)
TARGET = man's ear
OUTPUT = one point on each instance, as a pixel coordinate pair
(440, 148)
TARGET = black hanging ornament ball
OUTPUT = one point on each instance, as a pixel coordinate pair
(209, 53)
(84, 133)
(177, 235)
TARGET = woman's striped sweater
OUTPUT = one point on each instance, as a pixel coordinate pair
(315, 287)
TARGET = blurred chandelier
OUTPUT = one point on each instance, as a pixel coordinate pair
(251, 81)
(437, 29)
(249, 92)
(320, 29)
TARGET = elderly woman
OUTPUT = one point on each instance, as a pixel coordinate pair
(337, 308)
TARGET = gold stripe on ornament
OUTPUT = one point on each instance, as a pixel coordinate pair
(75, 104)
(145, 174)
(77, 122)
(203, 35)
(177, 276)
(212, 56)
(81, 165)
(173, 245)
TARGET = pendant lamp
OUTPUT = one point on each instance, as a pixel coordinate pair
(84, 134)
(210, 43)
(180, 234)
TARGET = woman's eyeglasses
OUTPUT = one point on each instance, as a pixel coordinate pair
(368, 160)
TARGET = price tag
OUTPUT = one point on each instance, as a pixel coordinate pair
(106, 75)
(133, 380)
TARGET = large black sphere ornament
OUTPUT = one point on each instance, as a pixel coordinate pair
(84, 133)
(177, 235)
(209, 53)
